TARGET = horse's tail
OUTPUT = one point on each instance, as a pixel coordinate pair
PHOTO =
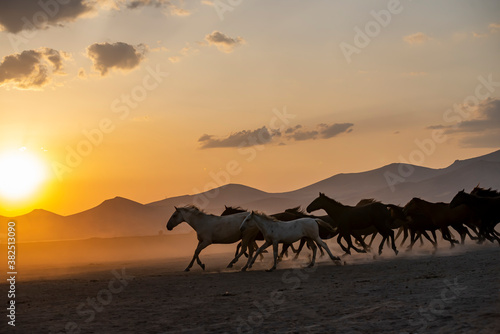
(327, 226)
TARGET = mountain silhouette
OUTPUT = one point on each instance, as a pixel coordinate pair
(121, 217)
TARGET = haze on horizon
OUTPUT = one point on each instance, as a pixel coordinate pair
(149, 99)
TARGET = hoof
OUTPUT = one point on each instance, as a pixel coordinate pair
(202, 266)
(244, 269)
(229, 265)
(335, 258)
(396, 251)
(187, 269)
(269, 270)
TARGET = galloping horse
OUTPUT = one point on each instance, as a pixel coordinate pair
(210, 229)
(486, 208)
(350, 218)
(276, 231)
(427, 216)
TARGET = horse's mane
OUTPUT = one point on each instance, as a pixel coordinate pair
(235, 208)
(296, 210)
(367, 201)
(194, 209)
(332, 200)
(483, 191)
(263, 215)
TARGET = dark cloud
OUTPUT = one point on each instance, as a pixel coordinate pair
(322, 130)
(31, 69)
(332, 130)
(172, 8)
(223, 42)
(238, 139)
(123, 56)
(18, 15)
(304, 135)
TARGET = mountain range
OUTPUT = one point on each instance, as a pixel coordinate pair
(395, 183)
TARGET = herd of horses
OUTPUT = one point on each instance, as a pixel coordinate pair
(473, 214)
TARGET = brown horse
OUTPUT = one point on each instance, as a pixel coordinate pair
(351, 218)
(486, 208)
(427, 216)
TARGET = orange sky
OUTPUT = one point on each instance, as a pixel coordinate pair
(160, 99)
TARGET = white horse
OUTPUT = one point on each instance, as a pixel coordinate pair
(276, 231)
(210, 229)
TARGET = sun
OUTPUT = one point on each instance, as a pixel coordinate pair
(21, 174)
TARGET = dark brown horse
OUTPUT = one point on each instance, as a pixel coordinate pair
(351, 218)
(426, 216)
(486, 208)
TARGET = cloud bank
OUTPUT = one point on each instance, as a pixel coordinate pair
(264, 135)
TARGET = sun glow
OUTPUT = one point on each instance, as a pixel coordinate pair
(21, 174)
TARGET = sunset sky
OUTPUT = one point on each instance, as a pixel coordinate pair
(149, 99)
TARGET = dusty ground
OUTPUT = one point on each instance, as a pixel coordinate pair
(451, 292)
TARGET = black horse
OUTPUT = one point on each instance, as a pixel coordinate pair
(486, 208)
(350, 218)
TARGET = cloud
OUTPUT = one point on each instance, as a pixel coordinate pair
(330, 131)
(171, 8)
(32, 69)
(119, 55)
(417, 38)
(264, 135)
(481, 129)
(324, 131)
(239, 139)
(223, 42)
(18, 15)
(494, 27)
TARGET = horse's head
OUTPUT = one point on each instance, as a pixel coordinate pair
(318, 203)
(460, 198)
(175, 219)
(248, 222)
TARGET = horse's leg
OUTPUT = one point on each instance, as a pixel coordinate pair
(357, 237)
(339, 241)
(405, 236)
(251, 260)
(275, 254)
(243, 247)
(371, 240)
(322, 253)
(325, 246)
(301, 245)
(201, 245)
(312, 245)
(284, 249)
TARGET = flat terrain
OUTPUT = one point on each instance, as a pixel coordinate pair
(453, 291)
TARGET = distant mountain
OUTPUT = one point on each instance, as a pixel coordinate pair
(120, 217)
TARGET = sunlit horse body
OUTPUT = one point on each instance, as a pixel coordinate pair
(253, 233)
(351, 218)
(209, 229)
(276, 232)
